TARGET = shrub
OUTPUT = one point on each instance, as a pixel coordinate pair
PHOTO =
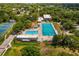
(30, 51)
(77, 33)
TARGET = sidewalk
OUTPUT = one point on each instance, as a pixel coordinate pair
(6, 44)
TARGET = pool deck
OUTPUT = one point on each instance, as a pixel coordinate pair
(40, 35)
(42, 38)
(54, 28)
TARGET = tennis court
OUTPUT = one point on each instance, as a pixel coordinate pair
(4, 28)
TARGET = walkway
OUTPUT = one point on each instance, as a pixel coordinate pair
(6, 44)
(40, 33)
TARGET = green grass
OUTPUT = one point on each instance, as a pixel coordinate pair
(1, 42)
(20, 43)
(17, 46)
(45, 51)
(56, 51)
(11, 52)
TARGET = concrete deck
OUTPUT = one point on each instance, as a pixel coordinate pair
(42, 38)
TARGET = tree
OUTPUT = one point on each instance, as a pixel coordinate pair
(77, 33)
(67, 24)
(30, 51)
(3, 16)
(64, 41)
(56, 19)
(75, 42)
(56, 39)
(28, 23)
(18, 26)
(67, 41)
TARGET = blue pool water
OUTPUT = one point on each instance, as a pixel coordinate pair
(47, 29)
(31, 32)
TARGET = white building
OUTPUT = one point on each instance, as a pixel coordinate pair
(27, 37)
(12, 21)
(40, 19)
(47, 16)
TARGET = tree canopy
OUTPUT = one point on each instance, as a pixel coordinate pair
(30, 51)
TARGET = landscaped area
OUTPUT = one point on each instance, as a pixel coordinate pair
(17, 46)
(39, 30)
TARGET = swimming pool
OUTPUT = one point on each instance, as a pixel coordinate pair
(48, 29)
(31, 32)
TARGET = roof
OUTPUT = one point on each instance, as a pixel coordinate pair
(26, 36)
(47, 16)
(12, 20)
(40, 18)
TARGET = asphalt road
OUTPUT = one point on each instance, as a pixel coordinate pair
(5, 45)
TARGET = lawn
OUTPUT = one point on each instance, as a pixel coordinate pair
(17, 46)
(57, 51)
(47, 50)
(14, 51)
(52, 50)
